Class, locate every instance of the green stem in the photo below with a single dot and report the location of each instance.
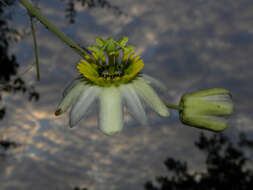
(50, 26)
(175, 107)
(117, 61)
(35, 48)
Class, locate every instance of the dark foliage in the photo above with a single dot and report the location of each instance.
(9, 80)
(5, 146)
(226, 163)
(78, 188)
(71, 11)
(2, 113)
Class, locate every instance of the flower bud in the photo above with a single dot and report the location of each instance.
(207, 109)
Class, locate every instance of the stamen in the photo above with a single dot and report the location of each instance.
(110, 64)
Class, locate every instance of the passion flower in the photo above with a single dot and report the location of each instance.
(111, 74)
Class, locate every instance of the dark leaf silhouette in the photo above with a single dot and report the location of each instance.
(71, 11)
(6, 145)
(9, 80)
(2, 113)
(78, 188)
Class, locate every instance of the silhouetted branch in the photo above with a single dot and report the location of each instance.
(71, 11)
(10, 80)
(226, 163)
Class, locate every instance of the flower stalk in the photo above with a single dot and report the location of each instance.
(172, 106)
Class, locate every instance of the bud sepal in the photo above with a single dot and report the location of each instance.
(207, 109)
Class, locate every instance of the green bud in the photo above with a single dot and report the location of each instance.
(207, 109)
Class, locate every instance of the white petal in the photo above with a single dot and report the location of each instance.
(82, 104)
(156, 83)
(133, 103)
(72, 96)
(111, 117)
(150, 97)
(71, 85)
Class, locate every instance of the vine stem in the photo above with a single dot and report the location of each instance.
(175, 107)
(35, 48)
(50, 26)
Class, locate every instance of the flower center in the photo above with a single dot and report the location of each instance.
(110, 63)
